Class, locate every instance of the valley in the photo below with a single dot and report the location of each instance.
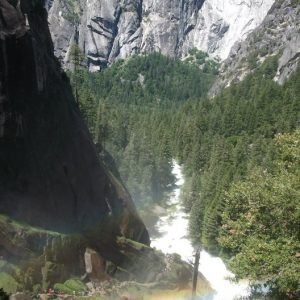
(220, 142)
(133, 133)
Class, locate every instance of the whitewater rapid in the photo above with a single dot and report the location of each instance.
(173, 229)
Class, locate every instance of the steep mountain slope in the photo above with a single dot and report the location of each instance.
(279, 34)
(107, 30)
(50, 176)
(49, 165)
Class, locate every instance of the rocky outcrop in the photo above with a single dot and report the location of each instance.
(48, 259)
(50, 176)
(279, 34)
(222, 23)
(109, 30)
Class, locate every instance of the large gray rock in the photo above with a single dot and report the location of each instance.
(111, 29)
(289, 60)
(279, 34)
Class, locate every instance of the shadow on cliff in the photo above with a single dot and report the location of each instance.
(54, 192)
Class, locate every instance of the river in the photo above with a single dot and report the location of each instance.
(173, 238)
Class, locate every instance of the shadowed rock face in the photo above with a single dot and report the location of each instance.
(56, 199)
(49, 172)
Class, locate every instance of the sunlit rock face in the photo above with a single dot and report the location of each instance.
(109, 30)
(278, 34)
(221, 23)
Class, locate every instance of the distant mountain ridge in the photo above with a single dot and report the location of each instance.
(279, 34)
(109, 30)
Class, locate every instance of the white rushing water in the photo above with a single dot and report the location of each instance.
(173, 230)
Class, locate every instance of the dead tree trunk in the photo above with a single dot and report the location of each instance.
(195, 273)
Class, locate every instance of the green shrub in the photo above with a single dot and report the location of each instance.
(252, 61)
(70, 286)
(75, 285)
(37, 288)
(61, 288)
(8, 283)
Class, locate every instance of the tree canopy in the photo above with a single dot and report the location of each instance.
(261, 221)
(239, 153)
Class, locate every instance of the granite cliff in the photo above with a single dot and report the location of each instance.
(279, 34)
(109, 30)
(56, 198)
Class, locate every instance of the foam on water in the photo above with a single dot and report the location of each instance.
(173, 229)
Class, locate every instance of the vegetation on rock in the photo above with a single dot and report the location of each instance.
(71, 286)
